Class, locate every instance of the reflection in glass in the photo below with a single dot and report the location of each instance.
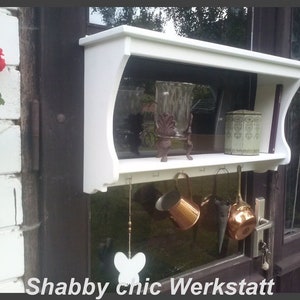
(168, 250)
(138, 105)
(128, 120)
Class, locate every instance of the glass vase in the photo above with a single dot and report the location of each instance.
(173, 116)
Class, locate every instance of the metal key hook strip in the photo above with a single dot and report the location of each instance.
(129, 267)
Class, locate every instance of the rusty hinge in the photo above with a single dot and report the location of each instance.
(35, 134)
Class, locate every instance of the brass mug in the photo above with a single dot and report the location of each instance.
(242, 220)
(184, 212)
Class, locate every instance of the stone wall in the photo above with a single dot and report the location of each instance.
(11, 213)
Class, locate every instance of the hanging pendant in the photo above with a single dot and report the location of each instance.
(129, 267)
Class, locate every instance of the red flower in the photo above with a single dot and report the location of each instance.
(2, 61)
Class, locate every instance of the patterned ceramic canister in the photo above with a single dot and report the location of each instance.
(242, 132)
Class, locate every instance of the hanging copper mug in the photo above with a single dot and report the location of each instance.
(242, 220)
(184, 212)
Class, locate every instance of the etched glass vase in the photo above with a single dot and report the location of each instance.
(173, 115)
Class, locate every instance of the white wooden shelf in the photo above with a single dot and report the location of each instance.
(106, 56)
(152, 169)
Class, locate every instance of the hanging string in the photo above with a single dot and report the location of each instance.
(129, 219)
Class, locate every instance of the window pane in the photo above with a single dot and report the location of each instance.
(168, 249)
(215, 92)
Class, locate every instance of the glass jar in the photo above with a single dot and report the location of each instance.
(173, 108)
(173, 115)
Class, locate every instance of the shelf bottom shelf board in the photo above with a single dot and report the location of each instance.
(139, 170)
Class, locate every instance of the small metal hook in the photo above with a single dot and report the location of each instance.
(222, 169)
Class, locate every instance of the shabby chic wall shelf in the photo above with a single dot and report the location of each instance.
(105, 57)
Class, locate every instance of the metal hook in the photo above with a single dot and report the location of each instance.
(215, 178)
(188, 182)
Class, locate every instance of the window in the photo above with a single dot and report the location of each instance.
(215, 92)
(168, 250)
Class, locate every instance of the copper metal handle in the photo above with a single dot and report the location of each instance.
(239, 170)
(188, 182)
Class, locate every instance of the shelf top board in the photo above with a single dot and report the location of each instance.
(148, 43)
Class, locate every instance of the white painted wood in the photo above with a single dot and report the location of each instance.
(10, 91)
(11, 212)
(151, 169)
(148, 43)
(11, 253)
(281, 146)
(265, 95)
(10, 148)
(106, 54)
(15, 285)
(98, 128)
(9, 39)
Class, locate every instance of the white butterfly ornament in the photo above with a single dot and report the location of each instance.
(129, 267)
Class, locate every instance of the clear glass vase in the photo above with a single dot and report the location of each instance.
(173, 115)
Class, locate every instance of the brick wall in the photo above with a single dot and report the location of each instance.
(11, 214)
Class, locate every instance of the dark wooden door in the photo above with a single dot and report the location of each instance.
(65, 242)
(64, 207)
(273, 35)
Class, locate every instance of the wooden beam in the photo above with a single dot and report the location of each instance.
(65, 209)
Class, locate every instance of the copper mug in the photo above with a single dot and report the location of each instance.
(242, 220)
(184, 212)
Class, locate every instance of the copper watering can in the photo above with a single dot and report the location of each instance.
(242, 220)
(184, 212)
